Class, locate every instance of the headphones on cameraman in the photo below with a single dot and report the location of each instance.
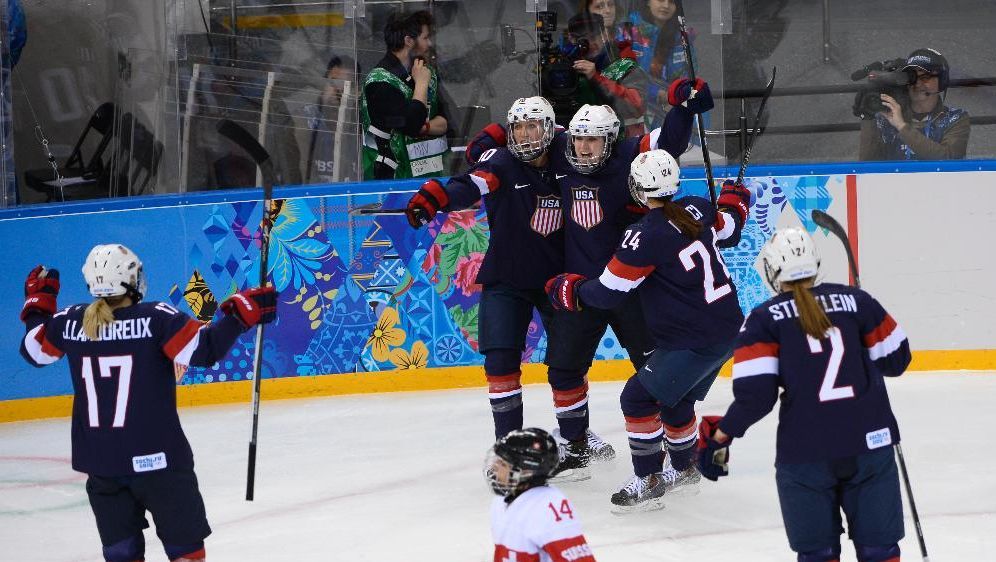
(943, 75)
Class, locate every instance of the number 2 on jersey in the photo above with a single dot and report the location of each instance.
(828, 391)
(565, 510)
(105, 366)
(713, 292)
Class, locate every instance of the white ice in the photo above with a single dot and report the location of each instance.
(398, 477)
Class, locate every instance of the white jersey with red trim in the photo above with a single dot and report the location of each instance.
(540, 525)
(124, 406)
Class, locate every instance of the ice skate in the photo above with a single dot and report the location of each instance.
(575, 462)
(601, 450)
(640, 494)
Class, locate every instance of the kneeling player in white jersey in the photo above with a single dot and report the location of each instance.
(530, 521)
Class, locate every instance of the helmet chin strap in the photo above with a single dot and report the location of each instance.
(132, 293)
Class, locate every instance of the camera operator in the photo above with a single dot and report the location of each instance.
(404, 121)
(917, 126)
(601, 78)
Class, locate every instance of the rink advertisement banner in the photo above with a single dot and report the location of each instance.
(362, 294)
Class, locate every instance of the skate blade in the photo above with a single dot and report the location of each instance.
(572, 475)
(654, 504)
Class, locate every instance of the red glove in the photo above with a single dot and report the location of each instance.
(40, 291)
(693, 95)
(492, 136)
(736, 198)
(563, 291)
(714, 457)
(252, 306)
(424, 205)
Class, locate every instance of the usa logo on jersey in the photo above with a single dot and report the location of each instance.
(585, 208)
(548, 216)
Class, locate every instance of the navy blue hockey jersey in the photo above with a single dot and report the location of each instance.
(525, 216)
(124, 406)
(834, 402)
(687, 295)
(595, 205)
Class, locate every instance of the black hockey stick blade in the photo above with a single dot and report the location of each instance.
(757, 126)
(826, 221)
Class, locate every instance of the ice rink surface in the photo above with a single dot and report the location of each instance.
(397, 477)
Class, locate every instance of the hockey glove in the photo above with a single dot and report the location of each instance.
(563, 291)
(714, 457)
(40, 291)
(492, 136)
(693, 95)
(735, 197)
(424, 205)
(252, 306)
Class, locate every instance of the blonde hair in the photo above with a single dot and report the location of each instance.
(99, 314)
(812, 317)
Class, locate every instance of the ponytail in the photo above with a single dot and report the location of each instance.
(811, 315)
(99, 314)
(681, 218)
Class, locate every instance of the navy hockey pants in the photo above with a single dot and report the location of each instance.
(865, 487)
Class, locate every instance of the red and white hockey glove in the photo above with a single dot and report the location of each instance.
(492, 136)
(40, 291)
(714, 457)
(252, 306)
(424, 205)
(563, 291)
(735, 197)
(693, 95)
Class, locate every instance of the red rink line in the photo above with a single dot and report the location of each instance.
(76, 476)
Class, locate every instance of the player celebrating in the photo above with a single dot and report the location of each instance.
(828, 346)
(126, 434)
(526, 247)
(671, 257)
(530, 520)
(592, 166)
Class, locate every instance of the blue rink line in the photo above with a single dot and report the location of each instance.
(389, 186)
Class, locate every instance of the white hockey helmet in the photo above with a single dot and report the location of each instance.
(790, 255)
(653, 174)
(592, 121)
(112, 270)
(535, 108)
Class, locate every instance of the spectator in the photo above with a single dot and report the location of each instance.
(926, 129)
(404, 121)
(656, 41)
(605, 78)
(333, 139)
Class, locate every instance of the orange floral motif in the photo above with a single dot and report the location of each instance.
(385, 335)
(417, 359)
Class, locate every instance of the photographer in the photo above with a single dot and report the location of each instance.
(917, 125)
(601, 78)
(404, 121)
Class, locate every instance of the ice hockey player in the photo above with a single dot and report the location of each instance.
(126, 434)
(826, 347)
(531, 520)
(526, 220)
(670, 260)
(592, 167)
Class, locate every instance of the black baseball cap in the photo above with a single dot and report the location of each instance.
(927, 60)
(586, 24)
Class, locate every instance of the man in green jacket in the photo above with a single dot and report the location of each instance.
(404, 121)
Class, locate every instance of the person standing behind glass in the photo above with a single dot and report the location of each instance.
(404, 121)
(656, 40)
(927, 129)
(324, 124)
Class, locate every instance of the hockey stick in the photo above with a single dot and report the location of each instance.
(829, 223)
(375, 209)
(687, 45)
(241, 137)
(757, 127)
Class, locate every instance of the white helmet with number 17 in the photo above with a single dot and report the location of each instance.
(653, 174)
(535, 111)
(591, 121)
(112, 270)
(790, 255)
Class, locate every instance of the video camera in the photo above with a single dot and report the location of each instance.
(883, 77)
(558, 79)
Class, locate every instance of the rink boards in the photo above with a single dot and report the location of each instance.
(369, 305)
